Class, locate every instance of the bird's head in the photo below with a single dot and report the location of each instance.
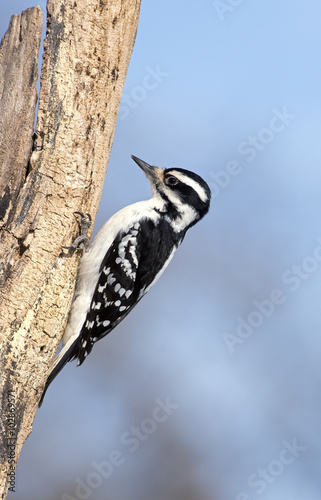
(185, 195)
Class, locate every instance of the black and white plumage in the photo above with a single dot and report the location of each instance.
(128, 255)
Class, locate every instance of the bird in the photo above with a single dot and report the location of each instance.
(127, 256)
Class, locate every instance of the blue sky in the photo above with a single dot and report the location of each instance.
(230, 335)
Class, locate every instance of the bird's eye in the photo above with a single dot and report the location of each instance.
(171, 181)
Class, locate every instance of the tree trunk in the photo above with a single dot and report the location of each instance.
(45, 180)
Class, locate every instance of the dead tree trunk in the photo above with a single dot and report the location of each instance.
(43, 181)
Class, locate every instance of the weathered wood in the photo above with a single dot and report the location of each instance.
(18, 76)
(86, 55)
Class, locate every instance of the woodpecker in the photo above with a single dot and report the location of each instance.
(127, 256)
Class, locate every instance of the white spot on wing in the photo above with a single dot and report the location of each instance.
(111, 279)
(101, 288)
(134, 256)
(129, 240)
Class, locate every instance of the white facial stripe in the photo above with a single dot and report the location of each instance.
(186, 215)
(173, 198)
(184, 220)
(193, 184)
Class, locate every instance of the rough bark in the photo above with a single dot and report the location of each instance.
(18, 76)
(86, 55)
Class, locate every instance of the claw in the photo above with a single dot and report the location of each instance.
(84, 222)
(82, 240)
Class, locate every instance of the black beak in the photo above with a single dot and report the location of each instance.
(153, 173)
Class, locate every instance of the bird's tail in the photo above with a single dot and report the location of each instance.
(68, 352)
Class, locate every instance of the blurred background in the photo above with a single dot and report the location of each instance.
(210, 389)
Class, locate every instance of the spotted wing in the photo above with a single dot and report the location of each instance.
(129, 267)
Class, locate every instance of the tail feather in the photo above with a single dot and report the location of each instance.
(68, 352)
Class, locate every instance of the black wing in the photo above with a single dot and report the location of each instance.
(129, 267)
